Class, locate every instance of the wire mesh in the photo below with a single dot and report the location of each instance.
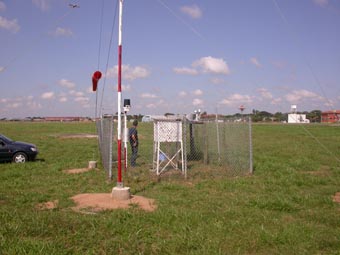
(224, 145)
(215, 147)
(105, 140)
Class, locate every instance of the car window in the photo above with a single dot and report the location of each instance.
(5, 139)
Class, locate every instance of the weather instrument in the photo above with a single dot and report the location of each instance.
(95, 78)
(127, 106)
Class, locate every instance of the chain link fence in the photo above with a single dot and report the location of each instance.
(105, 140)
(209, 147)
(225, 145)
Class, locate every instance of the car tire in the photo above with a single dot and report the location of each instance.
(19, 157)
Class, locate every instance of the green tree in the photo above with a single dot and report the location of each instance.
(279, 116)
(314, 116)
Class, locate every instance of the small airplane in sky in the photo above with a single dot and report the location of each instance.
(74, 5)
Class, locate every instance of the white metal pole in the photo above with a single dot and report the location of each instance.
(119, 90)
(218, 138)
(250, 147)
(125, 140)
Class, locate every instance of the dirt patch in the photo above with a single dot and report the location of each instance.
(47, 205)
(336, 197)
(320, 173)
(77, 170)
(103, 201)
(65, 136)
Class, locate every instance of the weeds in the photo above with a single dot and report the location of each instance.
(286, 207)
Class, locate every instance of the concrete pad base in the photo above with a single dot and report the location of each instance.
(92, 164)
(121, 193)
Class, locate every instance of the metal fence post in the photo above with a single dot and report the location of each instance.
(205, 135)
(250, 147)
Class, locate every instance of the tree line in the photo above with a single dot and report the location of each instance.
(260, 116)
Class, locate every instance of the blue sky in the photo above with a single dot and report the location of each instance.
(178, 56)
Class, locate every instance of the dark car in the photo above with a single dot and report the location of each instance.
(18, 152)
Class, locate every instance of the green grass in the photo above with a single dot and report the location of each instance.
(285, 207)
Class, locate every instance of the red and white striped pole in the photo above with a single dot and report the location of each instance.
(119, 129)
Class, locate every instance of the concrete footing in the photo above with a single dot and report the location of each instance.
(121, 193)
(92, 164)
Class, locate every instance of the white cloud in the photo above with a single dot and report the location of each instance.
(126, 87)
(67, 84)
(62, 32)
(185, 70)
(11, 25)
(47, 95)
(34, 105)
(18, 99)
(86, 106)
(14, 105)
(10, 100)
(135, 72)
(151, 106)
(2, 6)
(2, 69)
(212, 65)
(160, 103)
(193, 11)
(129, 73)
(217, 81)
(82, 100)
(43, 5)
(89, 90)
(198, 92)
(182, 93)
(293, 98)
(321, 3)
(276, 101)
(197, 102)
(63, 99)
(329, 103)
(265, 93)
(279, 64)
(255, 62)
(206, 65)
(297, 95)
(76, 93)
(148, 95)
(236, 99)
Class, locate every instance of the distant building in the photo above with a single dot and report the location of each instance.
(66, 119)
(147, 118)
(330, 116)
(297, 118)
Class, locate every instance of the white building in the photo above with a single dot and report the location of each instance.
(295, 117)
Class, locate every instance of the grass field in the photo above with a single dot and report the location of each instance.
(285, 207)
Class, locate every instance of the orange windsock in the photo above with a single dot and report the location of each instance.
(95, 78)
